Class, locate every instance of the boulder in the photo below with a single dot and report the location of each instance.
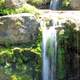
(75, 4)
(18, 28)
(14, 3)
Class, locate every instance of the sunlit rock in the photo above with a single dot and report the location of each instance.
(14, 3)
(19, 28)
(75, 4)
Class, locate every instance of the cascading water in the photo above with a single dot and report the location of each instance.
(54, 4)
(49, 53)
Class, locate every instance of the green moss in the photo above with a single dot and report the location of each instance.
(26, 8)
(66, 5)
(18, 61)
(2, 2)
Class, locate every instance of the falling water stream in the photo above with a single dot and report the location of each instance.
(54, 4)
(50, 48)
(49, 53)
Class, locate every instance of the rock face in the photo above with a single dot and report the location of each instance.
(19, 28)
(75, 4)
(14, 3)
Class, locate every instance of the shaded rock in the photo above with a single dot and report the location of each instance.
(19, 28)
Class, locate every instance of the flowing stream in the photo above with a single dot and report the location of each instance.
(49, 53)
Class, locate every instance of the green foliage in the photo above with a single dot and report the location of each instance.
(24, 9)
(68, 38)
(20, 77)
(66, 5)
(61, 64)
(20, 62)
(2, 2)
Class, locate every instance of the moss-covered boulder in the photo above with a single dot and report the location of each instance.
(19, 63)
(19, 28)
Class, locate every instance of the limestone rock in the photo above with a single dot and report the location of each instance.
(14, 3)
(19, 28)
(75, 4)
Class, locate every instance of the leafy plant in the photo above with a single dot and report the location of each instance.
(24, 9)
(18, 61)
(66, 5)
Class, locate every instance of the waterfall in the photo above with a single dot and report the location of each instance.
(54, 4)
(49, 53)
